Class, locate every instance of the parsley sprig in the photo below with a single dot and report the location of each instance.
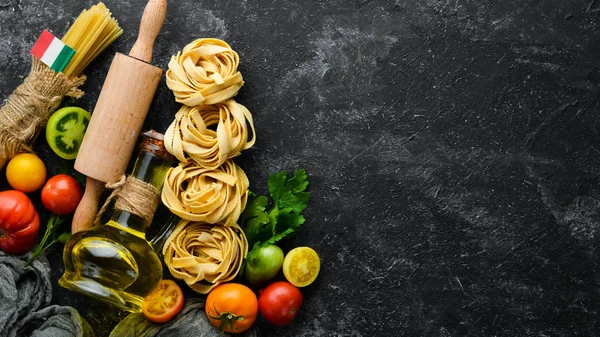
(52, 230)
(284, 217)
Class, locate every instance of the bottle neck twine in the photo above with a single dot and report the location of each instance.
(133, 196)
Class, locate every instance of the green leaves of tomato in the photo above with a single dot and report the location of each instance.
(284, 218)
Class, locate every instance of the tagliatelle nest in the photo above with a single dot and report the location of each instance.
(210, 134)
(213, 196)
(205, 72)
(205, 255)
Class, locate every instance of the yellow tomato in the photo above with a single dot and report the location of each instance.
(301, 266)
(26, 172)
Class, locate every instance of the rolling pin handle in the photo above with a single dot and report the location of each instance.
(86, 211)
(152, 21)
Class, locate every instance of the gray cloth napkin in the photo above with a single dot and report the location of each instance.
(25, 293)
(191, 321)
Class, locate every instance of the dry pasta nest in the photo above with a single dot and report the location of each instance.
(199, 194)
(205, 255)
(205, 72)
(210, 134)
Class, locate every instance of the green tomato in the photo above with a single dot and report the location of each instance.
(264, 265)
(65, 130)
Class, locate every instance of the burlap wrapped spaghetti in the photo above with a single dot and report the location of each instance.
(28, 108)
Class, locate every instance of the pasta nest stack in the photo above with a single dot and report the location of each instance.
(191, 134)
(207, 189)
(204, 73)
(205, 255)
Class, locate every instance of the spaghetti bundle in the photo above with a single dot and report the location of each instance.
(93, 31)
(40, 94)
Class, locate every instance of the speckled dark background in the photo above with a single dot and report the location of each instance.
(452, 148)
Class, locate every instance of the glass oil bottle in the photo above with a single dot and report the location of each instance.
(114, 262)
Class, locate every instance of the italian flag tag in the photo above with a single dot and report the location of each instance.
(52, 51)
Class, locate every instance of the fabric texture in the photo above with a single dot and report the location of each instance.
(191, 321)
(25, 293)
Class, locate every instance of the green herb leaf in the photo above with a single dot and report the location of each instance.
(64, 237)
(258, 229)
(53, 223)
(273, 219)
(289, 219)
(276, 184)
(256, 221)
(298, 183)
(254, 207)
(295, 201)
(284, 218)
(290, 193)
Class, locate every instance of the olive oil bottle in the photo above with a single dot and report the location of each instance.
(114, 262)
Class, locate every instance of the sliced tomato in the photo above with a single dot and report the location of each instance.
(65, 130)
(301, 266)
(164, 302)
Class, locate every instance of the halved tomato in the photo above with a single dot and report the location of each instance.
(65, 130)
(301, 266)
(164, 302)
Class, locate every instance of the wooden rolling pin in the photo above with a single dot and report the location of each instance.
(119, 115)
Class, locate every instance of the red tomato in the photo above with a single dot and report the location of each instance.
(163, 303)
(61, 194)
(279, 303)
(232, 307)
(19, 222)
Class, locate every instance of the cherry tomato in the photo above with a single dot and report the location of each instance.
(232, 307)
(26, 172)
(164, 302)
(279, 303)
(301, 266)
(61, 194)
(263, 266)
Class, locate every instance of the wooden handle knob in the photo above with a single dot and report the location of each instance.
(86, 211)
(152, 21)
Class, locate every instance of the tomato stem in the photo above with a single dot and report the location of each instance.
(226, 319)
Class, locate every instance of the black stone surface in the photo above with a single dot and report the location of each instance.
(452, 148)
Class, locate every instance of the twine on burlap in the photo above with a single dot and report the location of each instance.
(131, 195)
(30, 106)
